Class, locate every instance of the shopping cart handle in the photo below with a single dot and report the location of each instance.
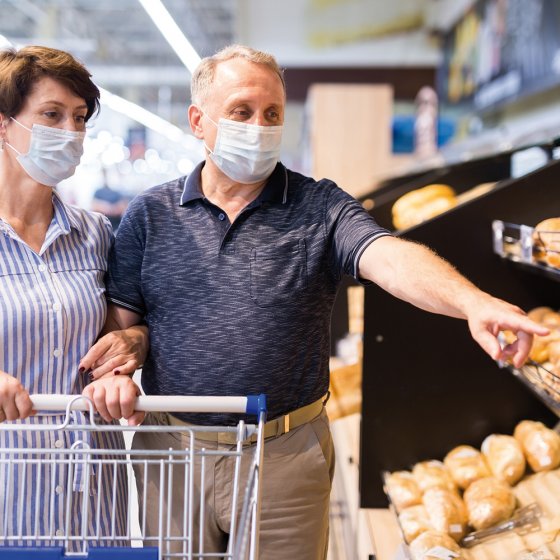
(253, 404)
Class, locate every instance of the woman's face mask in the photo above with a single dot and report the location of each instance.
(54, 153)
(246, 153)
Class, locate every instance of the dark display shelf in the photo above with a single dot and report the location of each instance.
(427, 386)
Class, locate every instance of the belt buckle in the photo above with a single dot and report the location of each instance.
(286, 423)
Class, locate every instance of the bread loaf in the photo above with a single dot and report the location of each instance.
(446, 512)
(540, 445)
(432, 474)
(466, 464)
(505, 458)
(403, 490)
(414, 521)
(422, 204)
(489, 501)
(434, 541)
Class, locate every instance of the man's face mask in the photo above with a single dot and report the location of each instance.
(246, 153)
(54, 153)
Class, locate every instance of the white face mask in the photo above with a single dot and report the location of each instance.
(246, 153)
(54, 153)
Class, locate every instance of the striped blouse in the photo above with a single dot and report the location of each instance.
(52, 308)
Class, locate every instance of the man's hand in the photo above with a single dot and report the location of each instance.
(119, 352)
(14, 399)
(114, 398)
(490, 316)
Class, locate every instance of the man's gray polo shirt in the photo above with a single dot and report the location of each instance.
(242, 308)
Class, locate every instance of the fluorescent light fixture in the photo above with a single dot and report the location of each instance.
(141, 115)
(173, 35)
(131, 110)
(5, 42)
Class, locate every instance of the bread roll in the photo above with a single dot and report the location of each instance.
(422, 204)
(547, 237)
(551, 320)
(489, 501)
(432, 474)
(505, 457)
(414, 521)
(466, 464)
(554, 351)
(538, 313)
(403, 490)
(432, 540)
(446, 511)
(540, 445)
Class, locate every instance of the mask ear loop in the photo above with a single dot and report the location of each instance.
(2, 132)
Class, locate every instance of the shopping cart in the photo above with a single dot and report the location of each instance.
(52, 504)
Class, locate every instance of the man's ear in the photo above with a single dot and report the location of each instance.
(195, 115)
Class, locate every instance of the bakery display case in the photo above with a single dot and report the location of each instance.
(535, 249)
(427, 386)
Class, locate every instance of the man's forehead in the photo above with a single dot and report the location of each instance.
(243, 72)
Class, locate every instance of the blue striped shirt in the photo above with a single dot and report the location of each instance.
(52, 308)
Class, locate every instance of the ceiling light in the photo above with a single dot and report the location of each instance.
(141, 115)
(172, 33)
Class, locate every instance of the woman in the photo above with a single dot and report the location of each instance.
(53, 258)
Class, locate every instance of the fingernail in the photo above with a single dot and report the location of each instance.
(91, 378)
(82, 369)
(117, 372)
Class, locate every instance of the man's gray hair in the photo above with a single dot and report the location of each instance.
(204, 74)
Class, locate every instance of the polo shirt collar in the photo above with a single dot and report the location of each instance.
(275, 189)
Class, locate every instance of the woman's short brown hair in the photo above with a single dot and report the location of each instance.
(21, 69)
(204, 74)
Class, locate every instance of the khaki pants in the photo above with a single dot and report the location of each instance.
(297, 477)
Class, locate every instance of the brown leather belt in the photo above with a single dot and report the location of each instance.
(273, 428)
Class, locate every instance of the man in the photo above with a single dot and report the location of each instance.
(235, 269)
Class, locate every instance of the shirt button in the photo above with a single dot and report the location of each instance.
(57, 353)
(221, 217)
(56, 306)
(58, 489)
(59, 533)
(41, 268)
(58, 443)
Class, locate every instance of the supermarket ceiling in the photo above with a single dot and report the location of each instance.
(116, 39)
(128, 55)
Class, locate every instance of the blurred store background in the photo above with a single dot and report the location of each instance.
(494, 66)
(383, 97)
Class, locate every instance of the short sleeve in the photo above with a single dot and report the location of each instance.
(125, 263)
(350, 229)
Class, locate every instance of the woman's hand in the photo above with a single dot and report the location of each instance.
(114, 397)
(14, 399)
(118, 352)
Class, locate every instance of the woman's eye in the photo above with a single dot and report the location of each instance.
(50, 114)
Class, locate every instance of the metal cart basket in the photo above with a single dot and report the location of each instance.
(64, 495)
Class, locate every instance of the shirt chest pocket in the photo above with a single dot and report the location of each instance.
(278, 273)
